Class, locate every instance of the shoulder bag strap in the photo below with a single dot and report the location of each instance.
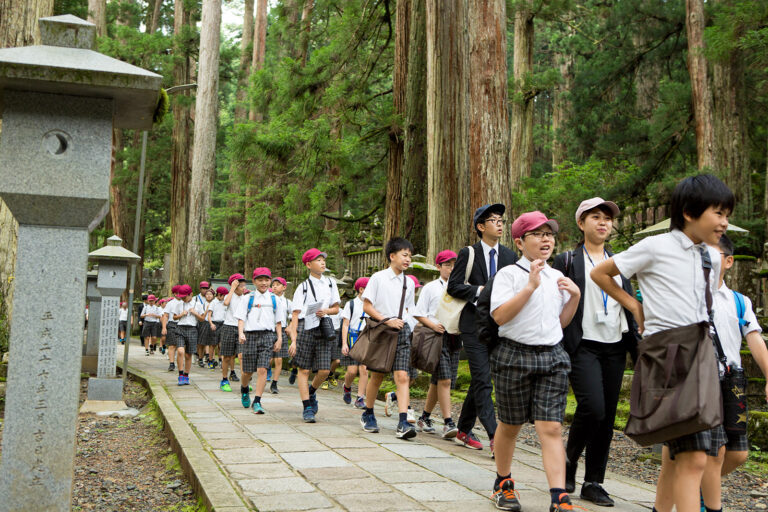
(470, 264)
(402, 299)
(706, 264)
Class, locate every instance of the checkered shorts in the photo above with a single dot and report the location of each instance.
(347, 361)
(447, 366)
(283, 352)
(531, 382)
(186, 338)
(736, 442)
(205, 336)
(257, 349)
(336, 347)
(151, 329)
(217, 332)
(311, 353)
(708, 441)
(403, 352)
(170, 337)
(228, 341)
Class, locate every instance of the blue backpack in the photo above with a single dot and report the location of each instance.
(353, 334)
(271, 295)
(741, 308)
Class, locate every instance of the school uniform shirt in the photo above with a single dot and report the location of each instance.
(263, 315)
(326, 293)
(384, 291)
(357, 317)
(123, 315)
(287, 307)
(171, 308)
(152, 310)
(336, 320)
(603, 320)
(727, 324)
(538, 322)
(190, 319)
(668, 269)
(218, 310)
(229, 314)
(429, 299)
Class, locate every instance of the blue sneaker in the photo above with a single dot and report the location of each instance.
(186, 380)
(224, 385)
(368, 421)
(347, 397)
(313, 403)
(257, 408)
(405, 430)
(308, 415)
(269, 374)
(360, 402)
(181, 380)
(246, 400)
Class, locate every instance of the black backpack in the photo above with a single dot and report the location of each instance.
(487, 328)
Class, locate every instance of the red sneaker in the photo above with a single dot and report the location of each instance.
(469, 440)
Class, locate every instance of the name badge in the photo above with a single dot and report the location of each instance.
(601, 317)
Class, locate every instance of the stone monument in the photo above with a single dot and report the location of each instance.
(91, 347)
(60, 102)
(105, 392)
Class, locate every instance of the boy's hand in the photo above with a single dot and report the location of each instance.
(568, 285)
(395, 323)
(241, 336)
(439, 328)
(321, 313)
(234, 286)
(637, 312)
(278, 344)
(292, 350)
(213, 326)
(345, 352)
(534, 276)
(164, 332)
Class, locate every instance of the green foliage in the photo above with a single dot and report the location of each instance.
(163, 103)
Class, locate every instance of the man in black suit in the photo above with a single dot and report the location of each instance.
(489, 257)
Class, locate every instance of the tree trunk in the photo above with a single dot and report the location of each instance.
(561, 106)
(488, 119)
(702, 99)
(393, 200)
(259, 46)
(414, 175)
(306, 29)
(246, 52)
(180, 142)
(154, 16)
(204, 149)
(448, 222)
(521, 128)
(97, 14)
(647, 78)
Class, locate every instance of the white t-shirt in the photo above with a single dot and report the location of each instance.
(190, 319)
(336, 319)
(385, 290)
(229, 314)
(287, 307)
(354, 313)
(326, 293)
(538, 322)
(668, 269)
(727, 323)
(123, 315)
(218, 310)
(152, 310)
(604, 319)
(170, 308)
(263, 315)
(429, 299)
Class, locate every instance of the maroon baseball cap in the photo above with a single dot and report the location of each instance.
(261, 272)
(280, 280)
(415, 280)
(185, 290)
(444, 256)
(312, 255)
(205, 284)
(175, 288)
(361, 282)
(222, 290)
(151, 297)
(530, 221)
(239, 277)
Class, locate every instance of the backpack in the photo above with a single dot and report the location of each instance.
(353, 334)
(740, 308)
(487, 328)
(250, 302)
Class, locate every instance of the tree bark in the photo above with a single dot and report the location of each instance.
(246, 52)
(259, 46)
(97, 14)
(561, 105)
(204, 149)
(702, 98)
(448, 222)
(414, 175)
(488, 118)
(521, 128)
(154, 16)
(306, 28)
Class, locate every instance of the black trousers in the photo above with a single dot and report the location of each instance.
(596, 373)
(478, 403)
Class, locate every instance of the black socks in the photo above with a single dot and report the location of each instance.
(369, 410)
(556, 492)
(305, 403)
(426, 415)
(244, 389)
(312, 389)
(403, 417)
(499, 479)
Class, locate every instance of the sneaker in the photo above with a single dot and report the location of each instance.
(390, 405)
(215, 364)
(210, 365)
(257, 408)
(368, 421)
(171, 367)
(469, 440)
(360, 402)
(273, 388)
(233, 376)
(308, 415)
(505, 496)
(594, 492)
(181, 380)
(162, 349)
(147, 352)
(292, 378)
(269, 373)
(224, 385)
(200, 363)
(570, 477)
(347, 397)
(324, 385)
(425, 425)
(450, 431)
(313, 403)
(405, 430)
(245, 399)
(410, 416)
(186, 380)
(333, 382)
(565, 504)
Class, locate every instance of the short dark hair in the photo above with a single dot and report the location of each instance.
(144, 297)
(397, 244)
(726, 245)
(484, 217)
(695, 194)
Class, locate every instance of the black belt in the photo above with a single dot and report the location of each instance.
(532, 348)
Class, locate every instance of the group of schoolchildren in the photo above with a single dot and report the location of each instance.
(573, 322)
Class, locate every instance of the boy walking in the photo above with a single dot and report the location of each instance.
(169, 326)
(353, 321)
(188, 313)
(278, 289)
(229, 339)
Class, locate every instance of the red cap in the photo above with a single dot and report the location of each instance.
(312, 255)
(205, 284)
(415, 280)
(239, 277)
(530, 221)
(361, 282)
(185, 290)
(175, 289)
(261, 272)
(444, 256)
(222, 290)
(151, 297)
(280, 280)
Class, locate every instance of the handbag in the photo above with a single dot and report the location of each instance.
(676, 387)
(426, 346)
(733, 385)
(325, 330)
(377, 343)
(449, 308)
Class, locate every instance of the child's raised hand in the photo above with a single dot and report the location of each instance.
(568, 285)
(534, 276)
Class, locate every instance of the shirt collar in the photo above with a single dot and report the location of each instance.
(442, 281)
(392, 274)
(487, 248)
(526, 264)
(685, 242)
(723, 289)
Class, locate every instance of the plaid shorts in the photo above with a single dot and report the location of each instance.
(170, 337)
(447, 366)
(205, 336)
(531, 382)
(311, 353)
(283, 352)
(708, 441)
(347, 361)
(257, 349)
(228, 341)
(217, 332)
(336, 347)
(403, 352)
(151, 329)
(186, 338)
(124, 325)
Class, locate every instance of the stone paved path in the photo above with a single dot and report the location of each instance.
(277, 462)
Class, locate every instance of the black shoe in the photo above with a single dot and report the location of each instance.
(594, 492)
(570, 477)
(233, 376)
(505, 496)
(273, 387)
(171, 367)
(292, 378)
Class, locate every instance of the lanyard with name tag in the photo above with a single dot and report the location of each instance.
(600, 319)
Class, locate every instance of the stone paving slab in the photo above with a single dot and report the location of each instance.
(277, 462)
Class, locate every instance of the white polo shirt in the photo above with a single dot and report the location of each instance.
(668, 269)
(727, 323)
(384, 291)
(170, 309)
(218, 310)
(429, 299)
(190, 319)
(354, 314)
(538, 322)
(152, 310)
(287, 307)
(229, 314)
(326, 292)
(263, 315)
(123, 315)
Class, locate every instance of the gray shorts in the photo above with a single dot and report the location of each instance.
(186, 338)
(257, 350)
(312, 353)
(708, 441)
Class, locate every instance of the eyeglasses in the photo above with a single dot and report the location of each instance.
(539, 235)
(496, 220)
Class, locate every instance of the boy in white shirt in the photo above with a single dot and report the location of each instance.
(389, 295)
(217, 320)
(669, 269)
(531, 302)
(260, 333)
(352, 322)
(123, 322)
(229, 339)
(278, 288)
(169, 326)
(188, 313)
(151, 330)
